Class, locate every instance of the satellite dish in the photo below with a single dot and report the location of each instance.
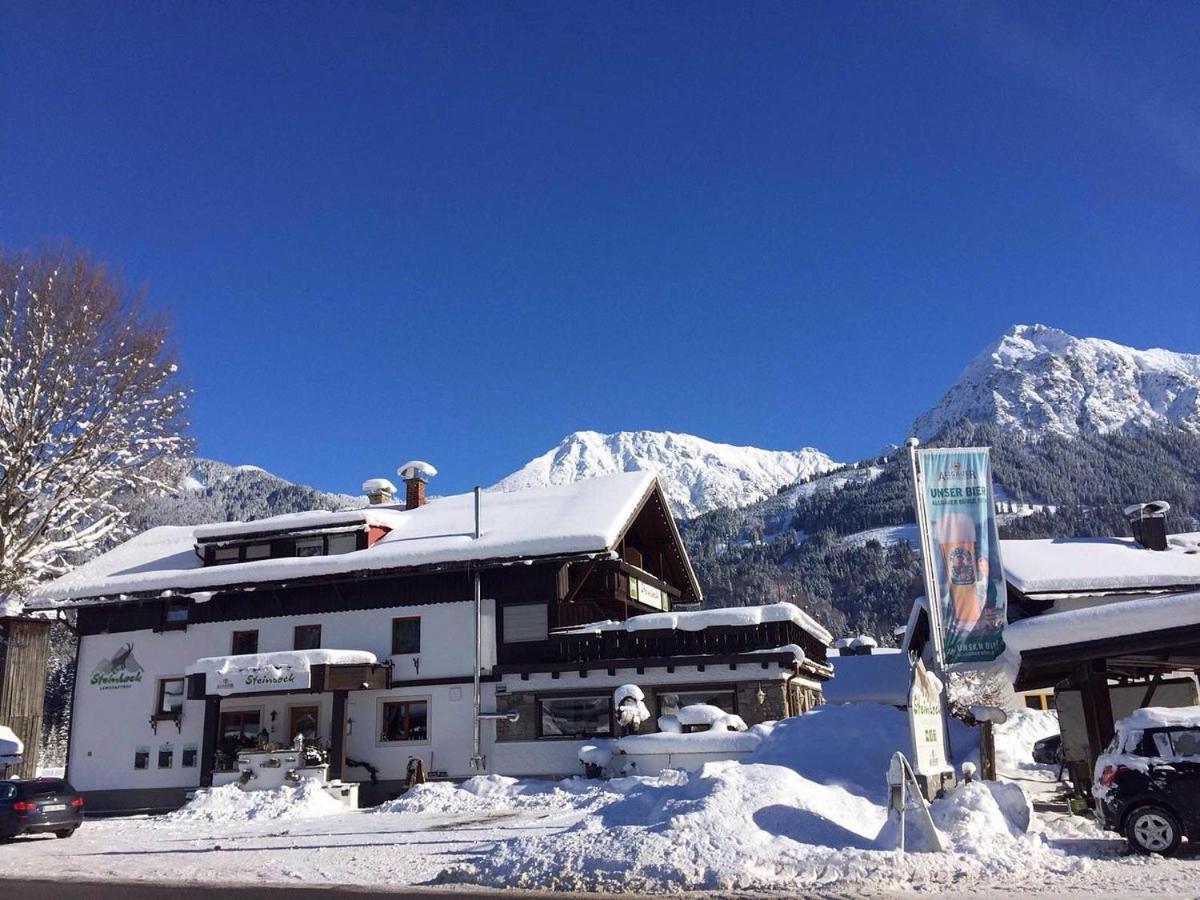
(416, 468)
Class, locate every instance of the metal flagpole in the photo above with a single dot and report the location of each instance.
(927, 561)
(931, 595)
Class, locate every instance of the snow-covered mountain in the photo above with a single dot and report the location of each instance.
(213, 491)
(697, 475)
(1037, 380)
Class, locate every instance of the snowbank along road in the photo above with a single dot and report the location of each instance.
(804, 814)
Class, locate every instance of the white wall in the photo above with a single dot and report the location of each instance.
(109, 724)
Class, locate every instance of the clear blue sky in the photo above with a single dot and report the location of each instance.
(458, 231)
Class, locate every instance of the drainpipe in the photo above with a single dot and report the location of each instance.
(477, 760)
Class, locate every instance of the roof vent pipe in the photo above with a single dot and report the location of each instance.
(1149, 523)
(478, 493)
(378, 490)
(415, 473)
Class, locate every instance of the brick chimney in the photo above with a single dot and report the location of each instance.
(414, 493)
(414, 474)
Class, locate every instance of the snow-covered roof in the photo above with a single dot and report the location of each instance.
(1161, 717)
(700, 619)
(315, 520)
(869, 678)
(583, 517)
(1097, 564)
(1095, 623)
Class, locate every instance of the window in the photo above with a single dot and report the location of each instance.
(239, 729)
(7, 791)
(141, 758)
(188, 758)
(525, 622)
(721, 696)
(244, 642)
(1178, 743)
(306, 637)
(166, 756)
(257, 551)
(341, 543)
(575, 717)
(313, 546)
(175, 612)
(406, 635)
(404, 720)
(170, 698)
(223, 555)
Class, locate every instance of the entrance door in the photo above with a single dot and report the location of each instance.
(302, 720)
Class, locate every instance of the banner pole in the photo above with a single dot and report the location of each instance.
(927, 561)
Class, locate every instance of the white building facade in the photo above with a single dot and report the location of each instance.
(358, 630)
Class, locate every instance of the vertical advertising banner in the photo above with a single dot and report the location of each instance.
(964, 571)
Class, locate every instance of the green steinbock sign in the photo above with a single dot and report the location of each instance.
(963, 549)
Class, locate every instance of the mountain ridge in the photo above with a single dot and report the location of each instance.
(1037, 380)
(697, 475)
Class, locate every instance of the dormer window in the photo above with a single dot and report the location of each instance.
(257, 551)
(223, 555)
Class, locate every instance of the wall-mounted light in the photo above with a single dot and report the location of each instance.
(761, 695)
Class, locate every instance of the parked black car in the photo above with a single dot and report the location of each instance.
(1148, 780)
(1048, 751)
(39, 806)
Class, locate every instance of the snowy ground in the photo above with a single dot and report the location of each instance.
(803, 815)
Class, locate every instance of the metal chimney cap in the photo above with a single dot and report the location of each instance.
(378, 485)
(416, 468)
(1144, 510)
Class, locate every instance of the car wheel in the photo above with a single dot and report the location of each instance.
(65, 833)
(1152, 829)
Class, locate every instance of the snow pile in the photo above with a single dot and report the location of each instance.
(1016, 737)
(229, 803)
(490, 794)
(700, 715)
(806, 809)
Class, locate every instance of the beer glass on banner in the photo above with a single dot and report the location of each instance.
(966, 572)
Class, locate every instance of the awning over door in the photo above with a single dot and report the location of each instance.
(286, 671)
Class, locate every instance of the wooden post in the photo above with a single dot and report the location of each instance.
(1097, 707)
(337, 745)
(987, 751)
(209, 737)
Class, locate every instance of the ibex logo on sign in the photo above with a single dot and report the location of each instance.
(121, 671)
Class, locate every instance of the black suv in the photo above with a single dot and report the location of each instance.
(1148, 780)
(39, 806)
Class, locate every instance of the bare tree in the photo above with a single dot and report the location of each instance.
(91, 410)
